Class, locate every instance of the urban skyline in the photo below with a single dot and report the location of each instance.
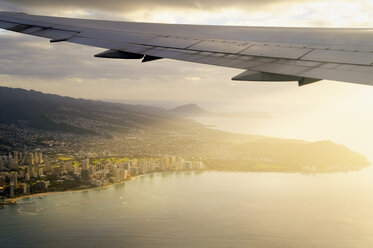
(30, 173)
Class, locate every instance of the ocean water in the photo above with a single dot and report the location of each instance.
(202, 209)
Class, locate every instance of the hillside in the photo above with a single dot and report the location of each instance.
(190, 110)
(193, 110)
(32, 120)
(290, 156)
(48, 112)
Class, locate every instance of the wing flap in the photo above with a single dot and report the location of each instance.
(121, 46)
(18, 21)
(174, 42)
(221, 46)
(293, 53)
(352, 74)
(276, 51)
(55, 34)
(265, 76)
(127, 37)
(8, 25)
(40, 30)
(32, 29)
(115, 54)
(334, 56)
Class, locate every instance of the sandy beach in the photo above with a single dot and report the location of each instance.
(16, 199)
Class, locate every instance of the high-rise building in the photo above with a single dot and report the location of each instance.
(134, 172)
(12, 189)
(13, 178)
(188, 165)
(2, 181)
(166, 162)
(98, 167)
(29, 159)
(172, 161)
(198, 165)
(41, 158)
(38, 157)
(14, 165)
(21, 174)
(117, 176)
(134, 162)
(127, 166)
(25, 188)
(179, 163)
(42, 185)
(85, 164)
(15, 157)
(47, 167)
(57, 171)
(151, 165)
(86, 174)
(40, 172)
(143, 166)
(69, 166)
(122, 174)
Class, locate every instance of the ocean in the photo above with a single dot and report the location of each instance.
(201, 209)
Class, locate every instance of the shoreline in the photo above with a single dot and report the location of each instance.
(16, 199)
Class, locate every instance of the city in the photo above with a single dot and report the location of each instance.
(27, 173)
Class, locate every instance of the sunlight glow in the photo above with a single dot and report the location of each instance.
(318, 111)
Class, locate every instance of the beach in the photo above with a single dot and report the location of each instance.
(16, 199)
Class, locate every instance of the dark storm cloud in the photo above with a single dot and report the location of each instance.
(126, 6)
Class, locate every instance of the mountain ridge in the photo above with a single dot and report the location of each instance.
(190, 109)
(193, 110)
(32, 120)
(56, 113)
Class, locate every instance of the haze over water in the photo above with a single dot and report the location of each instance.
(343, 127)
(207, 209)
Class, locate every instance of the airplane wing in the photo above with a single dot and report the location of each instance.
(305, 55)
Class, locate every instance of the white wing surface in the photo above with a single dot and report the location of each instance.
(305, 55)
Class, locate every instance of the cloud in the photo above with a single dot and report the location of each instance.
(70, 69)
(28, 59)
(33, 61)
(124, 6)
(331, 13)
(28, 56)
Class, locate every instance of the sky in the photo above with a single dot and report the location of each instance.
(325, 110)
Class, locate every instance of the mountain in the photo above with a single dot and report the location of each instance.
(32, 120)
(193, 110)
(190, 110)
(47, 112)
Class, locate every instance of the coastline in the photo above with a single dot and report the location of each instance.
(16, 199)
